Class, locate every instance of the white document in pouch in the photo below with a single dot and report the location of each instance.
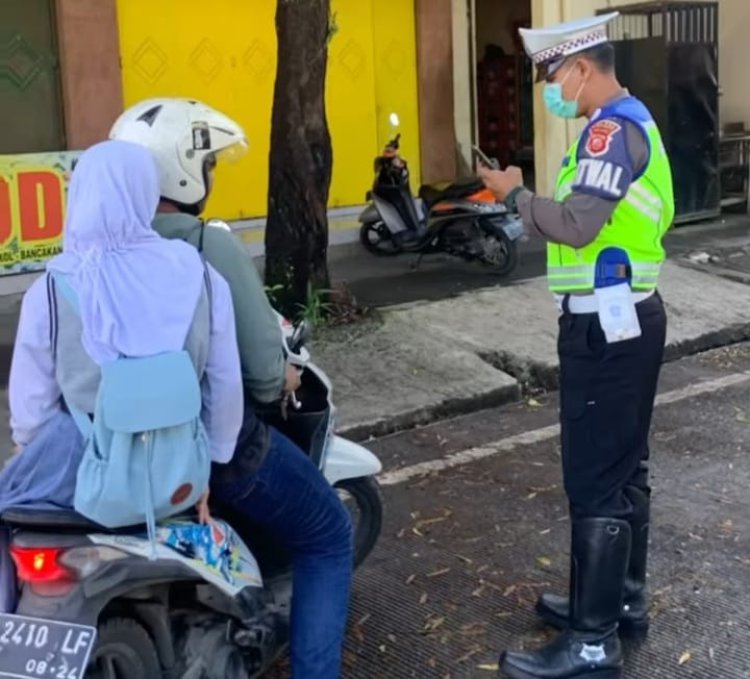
(617, 314)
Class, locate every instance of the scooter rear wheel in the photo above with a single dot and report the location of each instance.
(377, 239)
(500, 254)
(124, 650)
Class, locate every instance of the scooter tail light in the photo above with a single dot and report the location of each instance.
(40, 564)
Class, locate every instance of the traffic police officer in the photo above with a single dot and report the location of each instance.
(604, 230)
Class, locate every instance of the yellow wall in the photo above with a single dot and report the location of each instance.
(224, 53)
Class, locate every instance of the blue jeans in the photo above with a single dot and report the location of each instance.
(290, 497)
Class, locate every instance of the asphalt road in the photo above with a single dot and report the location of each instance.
(382, 281)
(476, 527)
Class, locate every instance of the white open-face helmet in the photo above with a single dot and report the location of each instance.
(187, 138)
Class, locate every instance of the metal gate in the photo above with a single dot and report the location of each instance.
(668, 56)
(31, 117)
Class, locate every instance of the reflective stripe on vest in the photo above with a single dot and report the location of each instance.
(645, 276)
(645, 202)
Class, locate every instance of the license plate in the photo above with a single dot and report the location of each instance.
(31, 648)
(513, 229)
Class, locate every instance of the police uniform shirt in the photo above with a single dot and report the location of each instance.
(611, 153)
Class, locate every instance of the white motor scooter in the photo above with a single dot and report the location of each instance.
(82, 599)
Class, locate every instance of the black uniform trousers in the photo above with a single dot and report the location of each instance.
(607, 394)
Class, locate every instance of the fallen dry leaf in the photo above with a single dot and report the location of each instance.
(685, 657)
(489, 668)
(544, 561)
(411, 578)
(487, 583)
(437, 574)
(423, 523)
(433, 623)
(469, 654)
(423, 598)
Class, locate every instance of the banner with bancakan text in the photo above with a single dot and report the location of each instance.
(33, 188)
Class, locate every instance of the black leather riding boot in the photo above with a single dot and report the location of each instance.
(589, 647)
(554, 609)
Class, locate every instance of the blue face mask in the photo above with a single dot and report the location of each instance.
(555, 102)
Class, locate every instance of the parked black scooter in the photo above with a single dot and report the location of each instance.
(460, 218)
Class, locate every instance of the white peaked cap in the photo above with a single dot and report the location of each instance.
(553, 43)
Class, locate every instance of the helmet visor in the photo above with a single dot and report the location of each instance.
(232, 153)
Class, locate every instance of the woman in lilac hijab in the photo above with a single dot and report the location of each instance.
(139, 295)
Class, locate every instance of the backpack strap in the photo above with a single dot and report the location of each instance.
(61, 282)
(207, 279)
(56, 281)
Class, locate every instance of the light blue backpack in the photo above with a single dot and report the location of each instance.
(147, 453)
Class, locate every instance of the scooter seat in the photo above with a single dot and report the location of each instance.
(45, 516)
(432, 193)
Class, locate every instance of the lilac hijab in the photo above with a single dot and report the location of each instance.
(137, 291)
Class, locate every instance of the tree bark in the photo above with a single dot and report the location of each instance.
(301, 157)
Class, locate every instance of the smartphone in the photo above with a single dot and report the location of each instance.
(482, 157)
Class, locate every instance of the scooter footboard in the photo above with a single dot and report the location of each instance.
(348, 460)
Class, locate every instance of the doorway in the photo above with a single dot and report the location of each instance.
(504, 83)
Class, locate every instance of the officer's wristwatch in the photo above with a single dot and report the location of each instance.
(510, 199)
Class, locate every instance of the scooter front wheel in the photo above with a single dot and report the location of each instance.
(362, 498)
(377, 239)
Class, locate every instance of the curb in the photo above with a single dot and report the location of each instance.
(426, 415)
(717, 339)
(530, 376)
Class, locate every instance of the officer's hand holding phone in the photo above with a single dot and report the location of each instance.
(501, 182)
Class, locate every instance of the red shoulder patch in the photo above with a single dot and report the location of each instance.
(600, 137)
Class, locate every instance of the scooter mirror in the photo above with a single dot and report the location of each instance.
(394, 120)
(300, 336)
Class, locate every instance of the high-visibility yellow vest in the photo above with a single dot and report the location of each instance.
(639, 221)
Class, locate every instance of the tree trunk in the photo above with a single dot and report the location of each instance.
(301, 157)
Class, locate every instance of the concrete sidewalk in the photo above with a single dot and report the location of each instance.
(421, 362)
(416, 363)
